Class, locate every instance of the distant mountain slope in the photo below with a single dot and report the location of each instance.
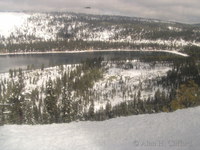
(176, 131)
(42, 28)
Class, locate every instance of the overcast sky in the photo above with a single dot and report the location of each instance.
(186, 11)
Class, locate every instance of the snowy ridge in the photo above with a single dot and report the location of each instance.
(36, 27)
(175, 131)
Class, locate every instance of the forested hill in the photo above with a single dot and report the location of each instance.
(30, 31)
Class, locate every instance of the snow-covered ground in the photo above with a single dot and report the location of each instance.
(93, 51)
(169, 51)
(40, 25)
(10, 22)
(122, 84)
(175, 131)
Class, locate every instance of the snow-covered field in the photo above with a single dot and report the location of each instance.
(175, 131)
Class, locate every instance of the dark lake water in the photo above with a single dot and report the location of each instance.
(52, 59)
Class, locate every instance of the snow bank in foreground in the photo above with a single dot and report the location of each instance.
(174, 131)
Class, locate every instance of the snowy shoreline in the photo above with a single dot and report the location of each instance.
(91, 51)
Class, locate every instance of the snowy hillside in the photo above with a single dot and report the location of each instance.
(28, 28)
(175, 131)
(121, 81)
(10, 22)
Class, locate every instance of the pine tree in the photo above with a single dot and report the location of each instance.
(109, 110)
(91, 111)
(66, 109)
(16, 100)
(11, 73)
(35, 111)
(50, 102)
(78, 110)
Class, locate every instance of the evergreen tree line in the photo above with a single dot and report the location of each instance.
(60, 45)
(181, 90)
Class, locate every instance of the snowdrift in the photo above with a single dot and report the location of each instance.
(174, 131)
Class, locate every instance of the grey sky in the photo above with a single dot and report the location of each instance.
(186, 11)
